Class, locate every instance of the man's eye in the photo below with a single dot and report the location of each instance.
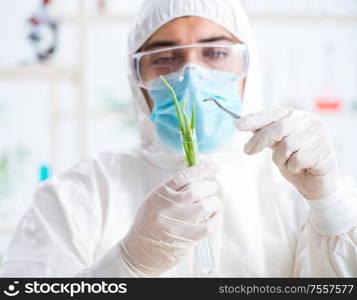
(164, 60)
(216, 54)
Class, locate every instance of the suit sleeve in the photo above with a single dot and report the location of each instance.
(59, 233)
(327, 245)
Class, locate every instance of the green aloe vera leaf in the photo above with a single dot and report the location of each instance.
(187, 128)
(191, 151)
(188, 144)
(192, 154)
(175, 102)
(193, 116)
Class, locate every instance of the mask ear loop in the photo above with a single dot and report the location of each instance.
(182, 72)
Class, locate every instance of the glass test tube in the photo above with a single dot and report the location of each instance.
(204, 246)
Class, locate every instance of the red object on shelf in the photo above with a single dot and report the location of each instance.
(34, 20)
(329, 103)
(102, 4)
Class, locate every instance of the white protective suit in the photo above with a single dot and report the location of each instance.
(77, 219)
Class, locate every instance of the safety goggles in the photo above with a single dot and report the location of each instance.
(230, 58)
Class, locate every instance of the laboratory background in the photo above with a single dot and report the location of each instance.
(64, 94)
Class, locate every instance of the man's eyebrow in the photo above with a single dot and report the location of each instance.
(157, 44)
(216, 39)
(168, 43)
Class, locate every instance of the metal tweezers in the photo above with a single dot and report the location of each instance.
(235, 116)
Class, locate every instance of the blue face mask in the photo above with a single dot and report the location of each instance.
(213, 126)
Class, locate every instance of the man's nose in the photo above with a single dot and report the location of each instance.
(192, 56)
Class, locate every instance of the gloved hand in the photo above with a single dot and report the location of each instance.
(171, 219)
(302, 148)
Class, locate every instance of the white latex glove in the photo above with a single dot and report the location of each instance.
(302, 148)
(171, 219)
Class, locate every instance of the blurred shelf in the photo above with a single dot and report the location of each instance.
(309, 18)
(9, 229)
(97, 18)
(126, 18)
(38, 72)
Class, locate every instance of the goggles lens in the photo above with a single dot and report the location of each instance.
(231, 58)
